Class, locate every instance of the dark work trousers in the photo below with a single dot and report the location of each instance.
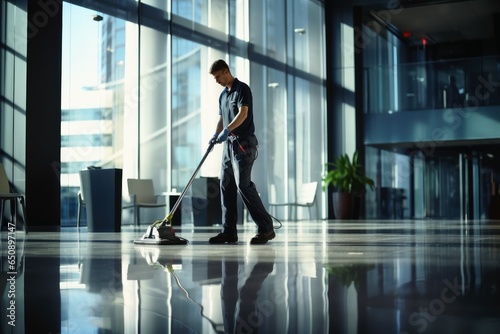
(237, 162)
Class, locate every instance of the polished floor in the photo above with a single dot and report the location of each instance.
(315, 277)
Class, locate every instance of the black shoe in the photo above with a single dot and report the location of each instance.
(262, 238)
(222, 238)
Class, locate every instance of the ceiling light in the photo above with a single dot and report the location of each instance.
(273, 84)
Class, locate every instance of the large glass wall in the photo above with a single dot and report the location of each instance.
(100, 95)
(13, 51)
(137, 93)
(293, 100)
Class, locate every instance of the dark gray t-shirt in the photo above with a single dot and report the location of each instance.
(229, 103)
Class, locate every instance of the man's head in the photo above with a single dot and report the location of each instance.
(221, 73)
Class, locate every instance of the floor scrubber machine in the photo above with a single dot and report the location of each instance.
(161, 232)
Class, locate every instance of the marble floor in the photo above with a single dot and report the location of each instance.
(315, 277)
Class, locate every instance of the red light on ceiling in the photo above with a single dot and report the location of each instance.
(406, 34)
(424, 41)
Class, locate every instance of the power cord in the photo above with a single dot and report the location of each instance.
(202, 308)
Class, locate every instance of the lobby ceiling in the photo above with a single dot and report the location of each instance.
(439, 21)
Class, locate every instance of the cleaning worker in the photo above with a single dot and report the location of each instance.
(236, 130)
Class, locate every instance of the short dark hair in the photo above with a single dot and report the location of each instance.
(218, 65)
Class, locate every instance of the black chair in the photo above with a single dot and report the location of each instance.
(7, 194)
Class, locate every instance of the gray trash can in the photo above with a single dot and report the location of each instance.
(102, 192)
(206, 201)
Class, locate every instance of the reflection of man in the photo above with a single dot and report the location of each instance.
(241, 310)
(453, 97)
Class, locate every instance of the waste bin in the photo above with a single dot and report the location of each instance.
(102, 193)
(172, 198)
(206, 201)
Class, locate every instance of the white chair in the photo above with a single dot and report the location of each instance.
(306, 197)
(6, 194)
(142, 195)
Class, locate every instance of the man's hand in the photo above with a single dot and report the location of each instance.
(213, 140)
(223, 135)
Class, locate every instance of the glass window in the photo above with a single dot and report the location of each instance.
(13, 51)
(238, 20)
(272, 129)
(267, 28)
(194, 110)
(293, 98)
(307, 35)
(208, 13)
(99, 97)
(154, 101)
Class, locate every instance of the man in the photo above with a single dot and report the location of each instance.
(236, 130)
(453, 96)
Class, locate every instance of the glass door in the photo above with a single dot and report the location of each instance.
(442, 187)
(459, 184)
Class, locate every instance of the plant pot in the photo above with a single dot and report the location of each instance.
(343, 205)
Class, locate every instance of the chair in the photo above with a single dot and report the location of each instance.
(306, 197)
(142, 195)
(6, 194)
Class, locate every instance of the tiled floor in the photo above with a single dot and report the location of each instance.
(315, 277)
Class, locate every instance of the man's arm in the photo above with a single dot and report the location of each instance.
(219, 127)
(238, 119)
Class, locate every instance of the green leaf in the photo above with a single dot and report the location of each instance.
(346, 174)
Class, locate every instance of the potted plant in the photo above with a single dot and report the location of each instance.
(348, 178)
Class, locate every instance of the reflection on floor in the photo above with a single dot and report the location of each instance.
(315, 277)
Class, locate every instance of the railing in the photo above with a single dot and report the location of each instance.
(473, 82)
